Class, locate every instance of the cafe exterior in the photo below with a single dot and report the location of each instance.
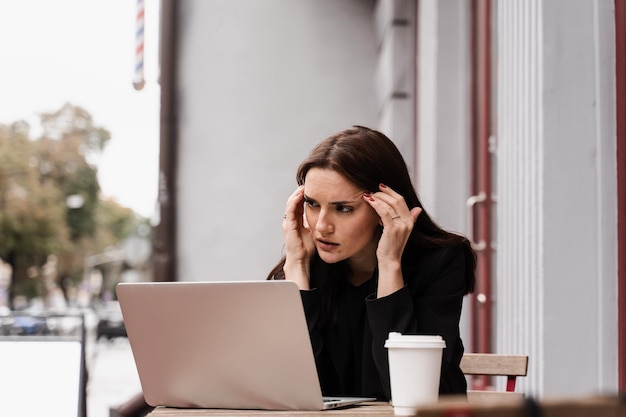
(511, 115)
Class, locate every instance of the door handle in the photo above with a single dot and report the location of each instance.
(470, 203)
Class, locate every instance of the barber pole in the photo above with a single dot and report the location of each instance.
(138, 79)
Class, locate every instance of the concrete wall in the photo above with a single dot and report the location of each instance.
(442, 152)
(557, 242)
(260, 82)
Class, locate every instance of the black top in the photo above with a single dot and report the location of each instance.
(348, 336)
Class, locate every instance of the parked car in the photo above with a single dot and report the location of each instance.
(110, 321)
(6, 321)
(30, 325)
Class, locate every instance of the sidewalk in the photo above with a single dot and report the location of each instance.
(113, 377)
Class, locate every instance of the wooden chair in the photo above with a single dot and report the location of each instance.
(493, 364)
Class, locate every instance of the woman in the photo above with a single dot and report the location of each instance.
(368, 261)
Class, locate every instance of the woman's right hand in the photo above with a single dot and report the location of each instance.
(299, 246)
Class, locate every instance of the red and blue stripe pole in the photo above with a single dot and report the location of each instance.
(138, 78)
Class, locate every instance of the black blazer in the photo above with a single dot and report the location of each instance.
(348, 336)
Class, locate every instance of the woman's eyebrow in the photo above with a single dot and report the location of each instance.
(343, 203)
(334, 203)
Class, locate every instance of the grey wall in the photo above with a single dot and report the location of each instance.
(443, 155)
(260, 82)
(580, 218)
(557, 241)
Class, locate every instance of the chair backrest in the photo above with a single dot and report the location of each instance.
(493, 364)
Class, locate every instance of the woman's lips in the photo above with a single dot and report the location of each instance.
(326, 246)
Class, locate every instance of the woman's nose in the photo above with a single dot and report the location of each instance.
(324, 224)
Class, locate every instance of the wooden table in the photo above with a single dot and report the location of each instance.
(366, 409)
(451, 406)
(595, 406)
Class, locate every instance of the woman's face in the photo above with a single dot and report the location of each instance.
(342, 223)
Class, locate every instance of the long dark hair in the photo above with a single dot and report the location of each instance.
(368, 158)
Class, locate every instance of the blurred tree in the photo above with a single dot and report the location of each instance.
(32, 222)
(49, 198)
(68, 142)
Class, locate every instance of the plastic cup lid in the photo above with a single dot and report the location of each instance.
(398, 340)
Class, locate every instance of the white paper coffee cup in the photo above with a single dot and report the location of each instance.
(414, 370)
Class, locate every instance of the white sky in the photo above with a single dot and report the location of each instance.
(83, 52)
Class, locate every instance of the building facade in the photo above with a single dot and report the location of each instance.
(509, 114)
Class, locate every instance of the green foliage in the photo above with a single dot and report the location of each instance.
(74, 123)
(32, 225)
(50, 197)
(121, 221)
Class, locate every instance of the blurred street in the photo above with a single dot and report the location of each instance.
(113, 377)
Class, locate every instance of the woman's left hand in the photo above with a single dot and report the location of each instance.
(397, 221)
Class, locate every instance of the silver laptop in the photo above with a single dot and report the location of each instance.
(236, 345)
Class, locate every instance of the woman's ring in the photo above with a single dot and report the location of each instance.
(395, 217)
